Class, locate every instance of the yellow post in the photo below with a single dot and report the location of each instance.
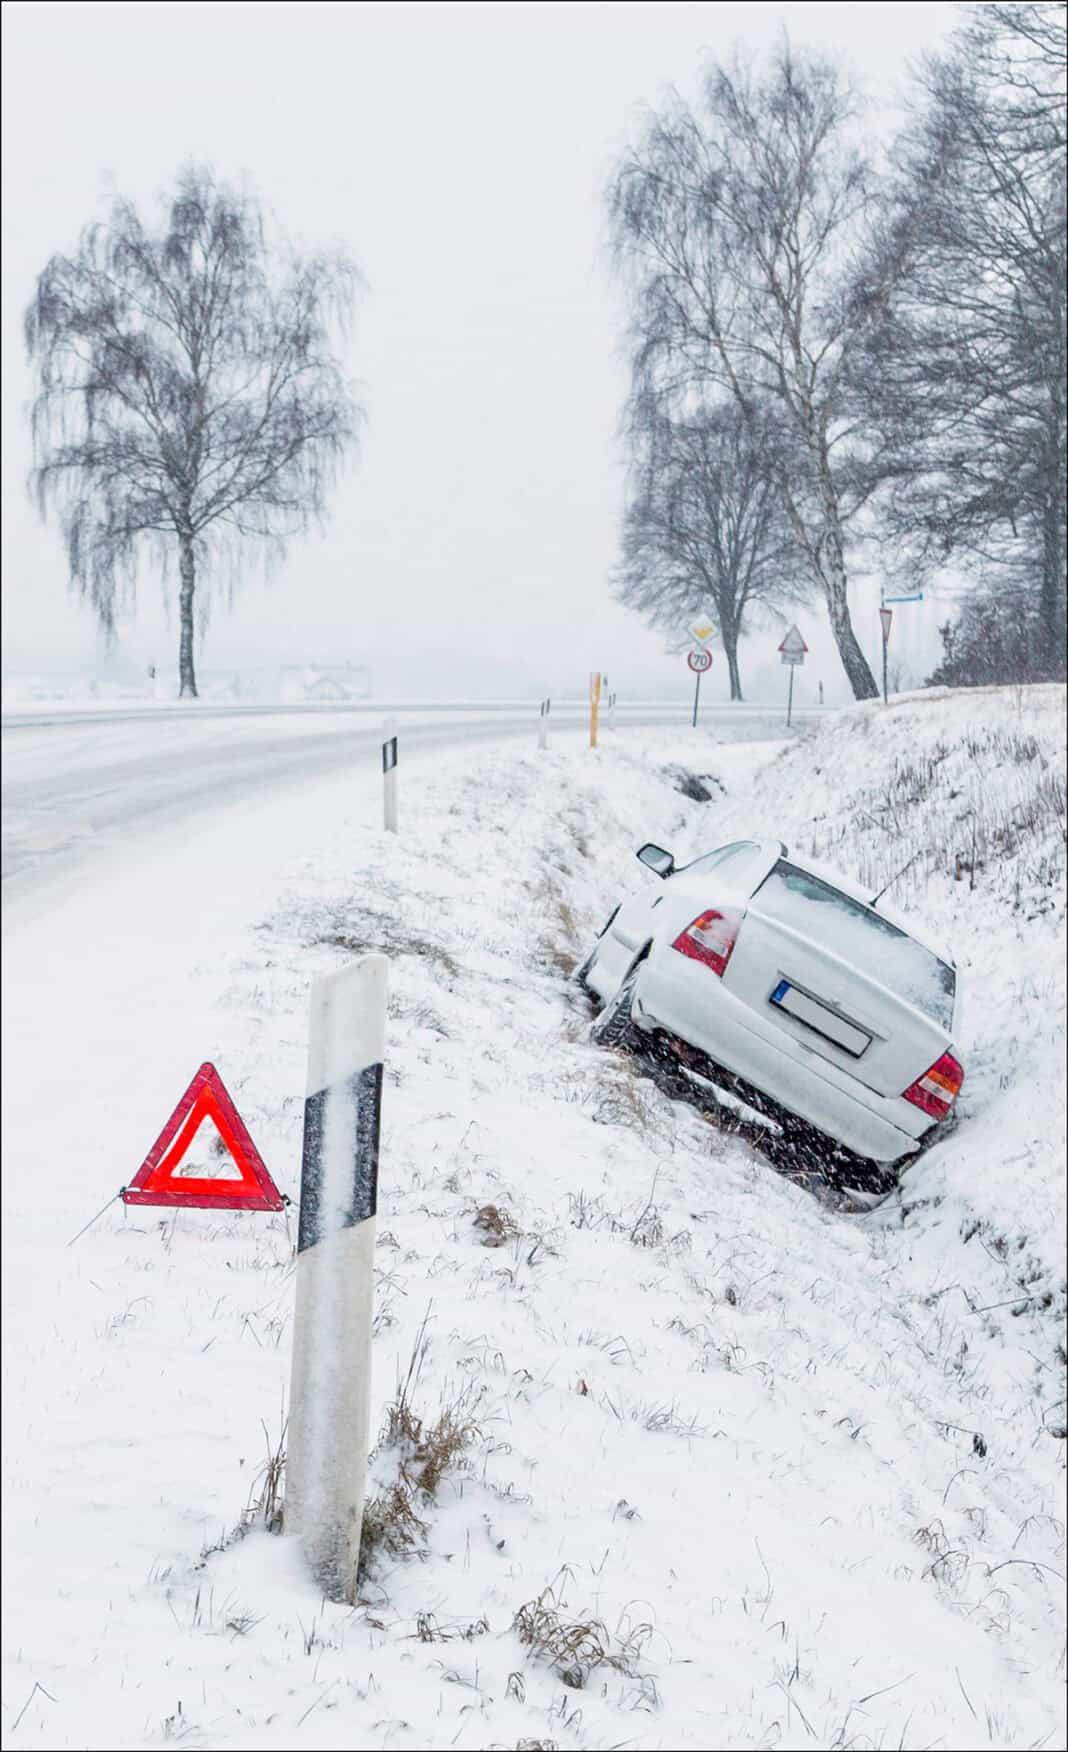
(595, 700)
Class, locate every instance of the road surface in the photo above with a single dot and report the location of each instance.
(79, 783)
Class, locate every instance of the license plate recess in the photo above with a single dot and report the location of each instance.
(820, 1019)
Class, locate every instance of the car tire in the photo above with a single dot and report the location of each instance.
(614, 1026)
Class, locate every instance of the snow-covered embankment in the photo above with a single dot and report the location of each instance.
(718, 1466)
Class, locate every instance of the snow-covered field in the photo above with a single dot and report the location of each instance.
(734, 1469)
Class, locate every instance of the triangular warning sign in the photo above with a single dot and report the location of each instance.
(793, 645)
(158, 1180)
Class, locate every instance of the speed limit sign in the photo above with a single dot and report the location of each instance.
(699, 661)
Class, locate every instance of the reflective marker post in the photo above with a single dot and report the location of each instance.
(389, 777)
(543, 724)
(329, 1399)
(595, 702)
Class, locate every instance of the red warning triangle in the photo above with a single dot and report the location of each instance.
(157, 1181)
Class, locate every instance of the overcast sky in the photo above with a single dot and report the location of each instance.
(459, 153)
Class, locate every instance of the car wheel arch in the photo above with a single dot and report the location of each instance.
(578, 977)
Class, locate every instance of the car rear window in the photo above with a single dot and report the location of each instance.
(712, 860)
(849, 928)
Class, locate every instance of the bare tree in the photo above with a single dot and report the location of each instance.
(735, 225)
(188, 394)
(964, 367)
(704, 527)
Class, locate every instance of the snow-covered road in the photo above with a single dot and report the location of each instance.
(79, 782)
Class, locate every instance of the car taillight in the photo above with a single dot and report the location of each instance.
(711, 937)
(938, 1088)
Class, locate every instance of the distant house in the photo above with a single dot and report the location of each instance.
(332, 683)
(326, 688)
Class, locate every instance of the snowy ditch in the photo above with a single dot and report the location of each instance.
(672, 1454)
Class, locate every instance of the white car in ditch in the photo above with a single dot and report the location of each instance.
(783, 982)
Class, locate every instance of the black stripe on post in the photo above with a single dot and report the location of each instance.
(363, 1092)
(389, 755)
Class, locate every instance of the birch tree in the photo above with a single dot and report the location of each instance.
(733, 224)
(189, 398)
(704, 528)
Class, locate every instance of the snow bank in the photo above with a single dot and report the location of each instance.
(737, 1470)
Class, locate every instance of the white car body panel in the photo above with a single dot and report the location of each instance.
(849, 1087)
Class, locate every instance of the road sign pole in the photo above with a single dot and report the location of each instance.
(329, 1399)
(698, 661)
(543, 725)
(886, 615)
(792, 652)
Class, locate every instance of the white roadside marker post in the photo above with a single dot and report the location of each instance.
(329, 1397)
(543, 724)
(389, 777)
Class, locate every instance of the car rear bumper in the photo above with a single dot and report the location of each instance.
(789, 1073)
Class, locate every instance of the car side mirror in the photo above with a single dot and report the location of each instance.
(657, 860)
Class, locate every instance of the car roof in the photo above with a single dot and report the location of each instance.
(848, 885)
